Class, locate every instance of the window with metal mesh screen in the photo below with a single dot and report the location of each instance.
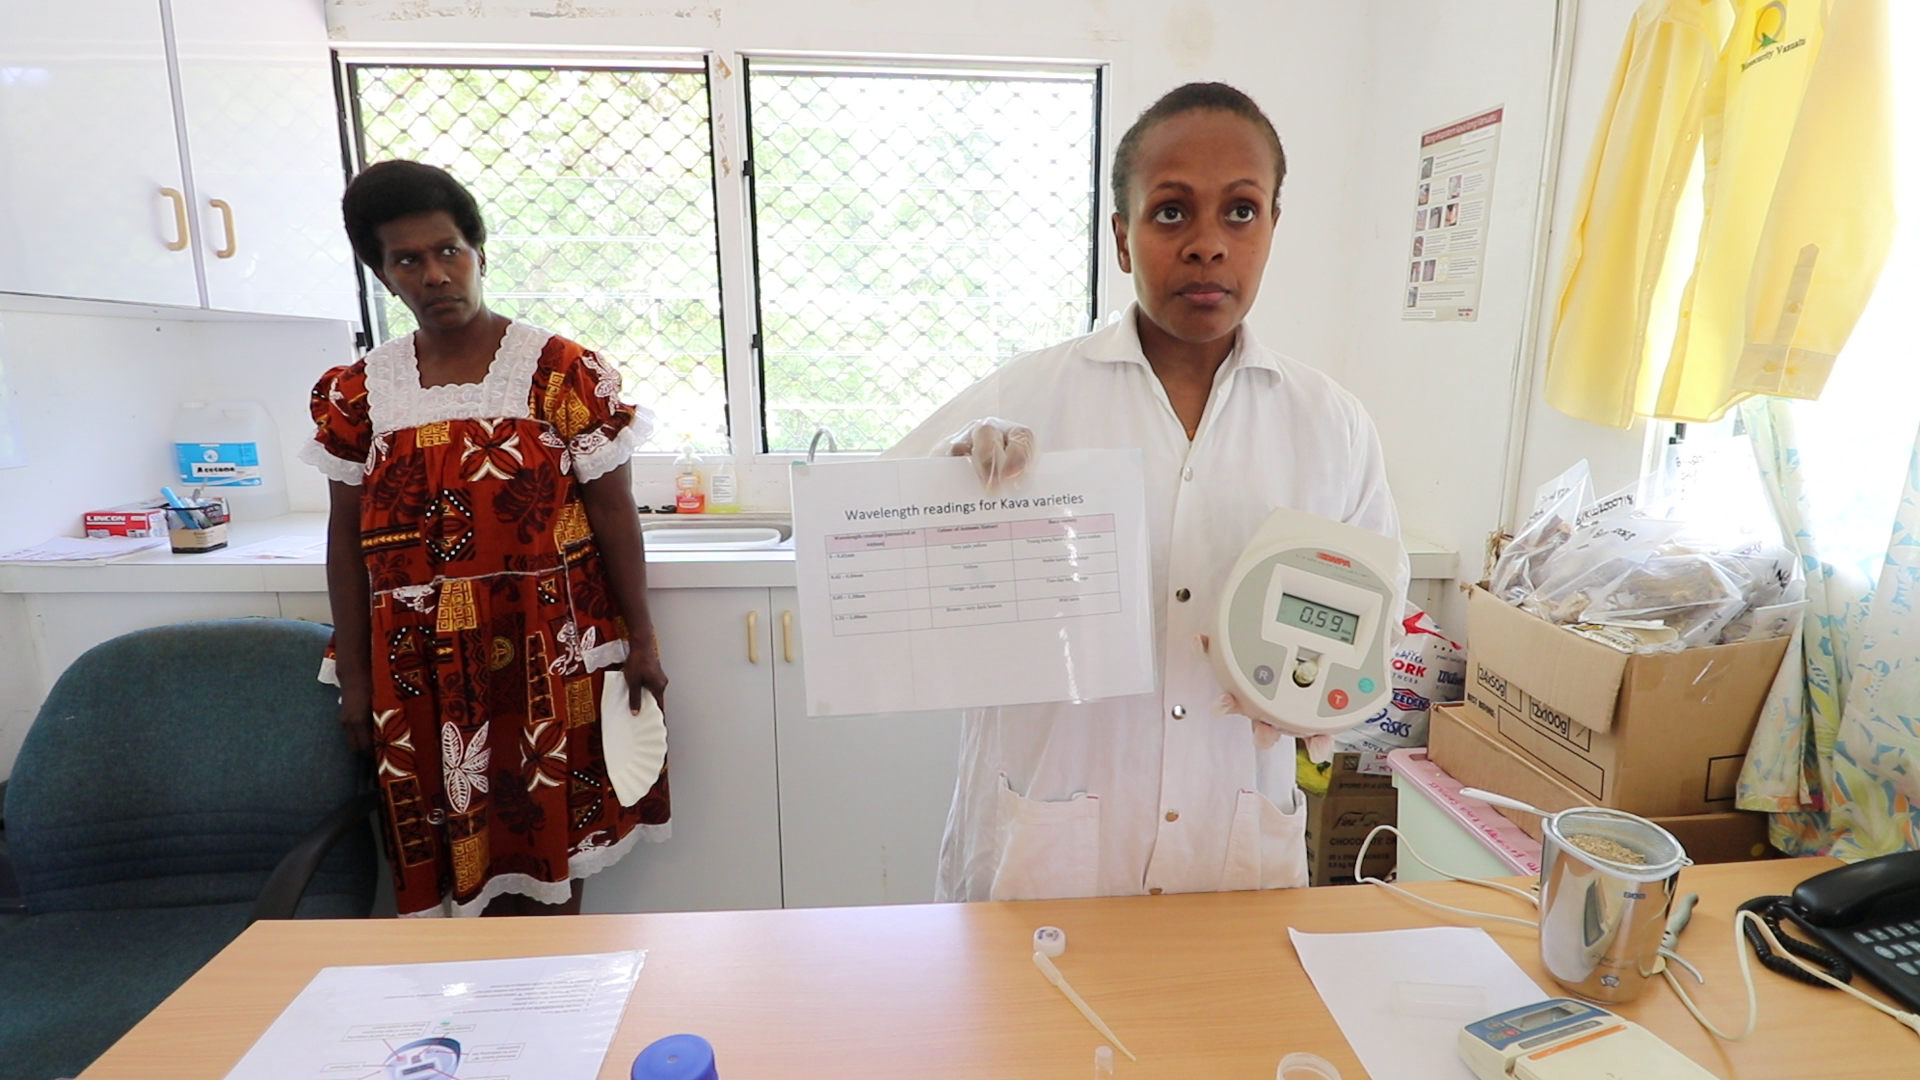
(596, 186)
(912, 233)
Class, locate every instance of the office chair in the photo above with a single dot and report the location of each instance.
(178, 783)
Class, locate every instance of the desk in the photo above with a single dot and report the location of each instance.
(1201, 985)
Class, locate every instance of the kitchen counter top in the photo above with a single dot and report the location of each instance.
(161, 571)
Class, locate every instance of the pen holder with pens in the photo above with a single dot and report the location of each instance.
(199, 527)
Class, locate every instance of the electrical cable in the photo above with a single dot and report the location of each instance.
(1361, 860)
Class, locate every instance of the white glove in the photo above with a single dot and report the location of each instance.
(1000, 449)
(1265, 735)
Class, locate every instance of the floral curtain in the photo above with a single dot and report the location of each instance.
(1836, 756)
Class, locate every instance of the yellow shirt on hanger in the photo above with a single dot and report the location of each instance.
(1799, 204)
(1618, 238)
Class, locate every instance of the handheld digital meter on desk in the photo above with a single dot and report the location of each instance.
(1564, 1039)
(1303, 630)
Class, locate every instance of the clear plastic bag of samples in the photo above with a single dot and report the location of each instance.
(1556, 509)
(1694, 594)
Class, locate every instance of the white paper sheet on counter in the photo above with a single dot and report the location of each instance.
(530, 1018)
(921, 590)
(1402, 996)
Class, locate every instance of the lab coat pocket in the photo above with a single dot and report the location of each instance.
(1266, 846)
(1048, 850)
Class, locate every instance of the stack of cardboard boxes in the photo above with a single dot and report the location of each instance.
(1558, 720)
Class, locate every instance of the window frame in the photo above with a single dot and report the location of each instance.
(762, 474)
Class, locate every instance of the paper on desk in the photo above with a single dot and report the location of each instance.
(84, 549)
(534, 1018)
(1402, 996)
(921, 590)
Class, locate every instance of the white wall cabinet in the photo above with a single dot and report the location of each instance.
(89, 155)
(96, 201)
(263, 131)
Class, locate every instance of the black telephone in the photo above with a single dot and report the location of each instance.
(1867, 913)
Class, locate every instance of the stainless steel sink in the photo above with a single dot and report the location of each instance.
(716, 532)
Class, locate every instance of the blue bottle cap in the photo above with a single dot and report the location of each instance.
(676, 1057)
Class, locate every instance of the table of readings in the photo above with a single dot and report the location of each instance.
(885, 582)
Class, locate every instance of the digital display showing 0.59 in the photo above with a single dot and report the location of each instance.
(1318, 618)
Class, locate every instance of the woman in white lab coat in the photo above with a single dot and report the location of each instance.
(1168, 791)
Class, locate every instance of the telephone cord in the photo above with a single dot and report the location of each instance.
(1745, 920)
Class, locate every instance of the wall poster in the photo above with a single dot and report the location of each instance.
(1451, 198)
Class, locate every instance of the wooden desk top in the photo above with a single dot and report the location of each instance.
(1200, 985)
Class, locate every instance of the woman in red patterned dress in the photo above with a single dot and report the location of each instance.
(485, 568)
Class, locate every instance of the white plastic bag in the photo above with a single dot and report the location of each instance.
(1428, 669)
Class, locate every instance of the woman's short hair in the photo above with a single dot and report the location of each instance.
(1193, 97)
(389, 190)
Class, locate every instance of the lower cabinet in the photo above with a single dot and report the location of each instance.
(716, 646)
(772, 808)
(863, 799)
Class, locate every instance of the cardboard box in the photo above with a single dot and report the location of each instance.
(1656, 734)
(1480, 760)
(133, 519)
(1340, 820)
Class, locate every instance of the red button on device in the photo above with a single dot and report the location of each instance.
(1337, 698)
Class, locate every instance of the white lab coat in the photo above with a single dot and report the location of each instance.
(1158, 792)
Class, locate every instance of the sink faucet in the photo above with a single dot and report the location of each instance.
(833, 447)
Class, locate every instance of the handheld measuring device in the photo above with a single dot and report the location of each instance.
(1564, 1039)
(1302, 635)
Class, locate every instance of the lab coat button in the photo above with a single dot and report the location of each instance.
(1173, 815)
(1155, 891)
(1187, 473)
(1179, 712)
(1182, 595)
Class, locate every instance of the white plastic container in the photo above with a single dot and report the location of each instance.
(723, 488)
(231, 449)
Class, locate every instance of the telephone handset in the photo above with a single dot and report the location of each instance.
(1868, 913)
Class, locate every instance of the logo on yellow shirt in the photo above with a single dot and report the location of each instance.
(1770, 25)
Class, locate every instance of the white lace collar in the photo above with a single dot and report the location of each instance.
(396, 400)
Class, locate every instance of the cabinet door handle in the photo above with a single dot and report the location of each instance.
(786, 635)
(226, 217)
(179, 243)
(753, 637)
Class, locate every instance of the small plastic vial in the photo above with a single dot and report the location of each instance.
(1103, 1063)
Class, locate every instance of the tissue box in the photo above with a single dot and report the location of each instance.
(133, 519)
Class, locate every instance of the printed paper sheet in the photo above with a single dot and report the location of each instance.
(919, 590)
(534, 1018)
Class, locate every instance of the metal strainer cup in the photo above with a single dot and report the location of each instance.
(1606, 880)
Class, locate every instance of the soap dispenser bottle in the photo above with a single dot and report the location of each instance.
(689, 481)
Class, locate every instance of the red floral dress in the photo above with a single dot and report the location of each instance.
(493, 617)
